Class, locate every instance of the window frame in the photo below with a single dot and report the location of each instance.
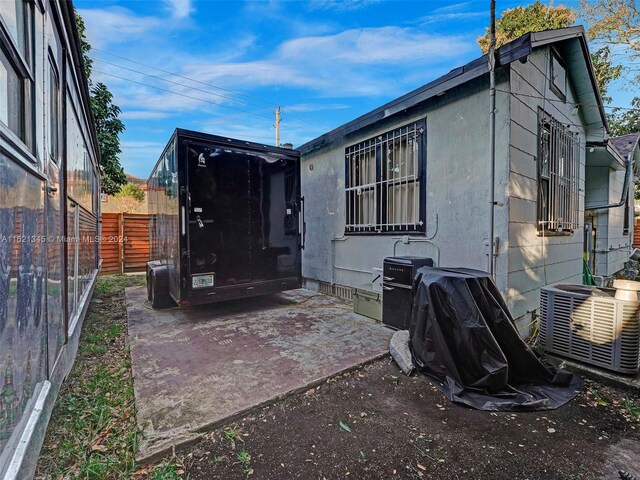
(381, 183)
(22, 62)
(565, 188)
(559, 91)
(54, 129)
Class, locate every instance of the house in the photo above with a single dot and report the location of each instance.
(413, 177)
(609, 203)
(49, 211)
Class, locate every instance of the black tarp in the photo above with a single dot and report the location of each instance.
(463, 336)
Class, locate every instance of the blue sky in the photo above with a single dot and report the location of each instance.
(223, 67)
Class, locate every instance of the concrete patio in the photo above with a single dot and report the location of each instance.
(196, 367)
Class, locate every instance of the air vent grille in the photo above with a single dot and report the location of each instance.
(592, 326)
(346, 293)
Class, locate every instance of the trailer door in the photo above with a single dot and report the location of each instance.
(218, 217)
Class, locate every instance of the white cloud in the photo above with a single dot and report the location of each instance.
(355, 62)
(369, 62)
(179, 8)
(341, 5)
(456, 7)
(116, 25)
(383, 45)
(315, 107)
(142, 115)
(443, 18)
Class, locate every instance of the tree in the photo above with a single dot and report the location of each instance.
(537, 17)
(623, 121)
(614, 22)
(108, 125)
(85, 46)
(109, 128)
(605, 70)
(518, 21)
(129, 198)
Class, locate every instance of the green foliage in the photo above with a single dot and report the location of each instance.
(614, 22)
(84, 45)
(109, 128)
(131, 190)
(108, 125)
(518, 21)
(625, 121)
(605, 70)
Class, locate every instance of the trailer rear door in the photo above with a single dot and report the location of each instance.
(242, 216)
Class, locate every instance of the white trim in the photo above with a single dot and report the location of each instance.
(83, 299)
(20, 452)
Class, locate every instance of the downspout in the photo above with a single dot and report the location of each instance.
(492, 133)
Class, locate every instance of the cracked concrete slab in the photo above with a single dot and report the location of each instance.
(196, 367)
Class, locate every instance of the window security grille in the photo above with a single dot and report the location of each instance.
(558, 175)
(385, 182)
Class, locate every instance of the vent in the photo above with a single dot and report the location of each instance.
(590, 325)
(346, 293)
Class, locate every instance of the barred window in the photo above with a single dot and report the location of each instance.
(558, 175)
(385, 182)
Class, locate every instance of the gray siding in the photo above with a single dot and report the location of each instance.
(457, 192)
(536, 260)
(604, 186)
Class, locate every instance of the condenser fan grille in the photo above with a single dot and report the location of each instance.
(592, 326)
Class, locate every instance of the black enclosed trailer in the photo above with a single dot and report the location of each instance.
(226, 220)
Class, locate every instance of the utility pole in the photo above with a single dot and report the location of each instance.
(492, 134)
(277, 127)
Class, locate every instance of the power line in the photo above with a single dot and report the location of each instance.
(199, 99)
(265, 102)
(157, 77)
(575, 104)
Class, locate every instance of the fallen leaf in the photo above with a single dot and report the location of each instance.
(344, 426)
(421, 467)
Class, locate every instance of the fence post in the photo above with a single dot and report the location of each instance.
(120, 241)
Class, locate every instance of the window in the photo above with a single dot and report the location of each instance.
(54, 112)
(11, 97)
(558, 82)
(558, 175)
(16, 52)
(385, 182)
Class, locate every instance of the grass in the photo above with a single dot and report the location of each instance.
(92, 433)
(233, 435)
(244, 459)
(632, 409)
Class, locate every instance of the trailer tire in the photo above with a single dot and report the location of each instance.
(159, 286)
(150, 266)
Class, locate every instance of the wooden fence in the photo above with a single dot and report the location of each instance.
(125, 243)
(636, 235)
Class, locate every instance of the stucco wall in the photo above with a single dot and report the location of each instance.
(457, 191)
(536, 260)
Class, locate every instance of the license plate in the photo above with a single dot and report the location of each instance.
(202, 281)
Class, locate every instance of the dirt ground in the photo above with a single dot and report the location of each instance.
(377, 423)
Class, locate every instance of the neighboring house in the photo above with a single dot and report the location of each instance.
(413, 176)
(49, 210)
(110, 203)
(609, 203)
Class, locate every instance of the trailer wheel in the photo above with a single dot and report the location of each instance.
(150, 266)
(159, 287)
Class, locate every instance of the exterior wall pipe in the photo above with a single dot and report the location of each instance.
(625, 190)
(344, 238)
(418, 240)
(492, 134)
